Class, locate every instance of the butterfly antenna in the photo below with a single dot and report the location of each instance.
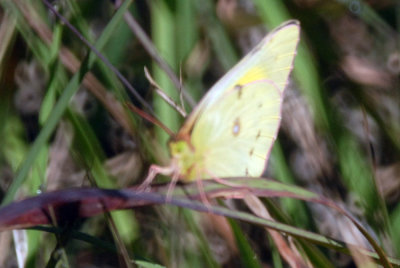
(150, 118)
(163, 95)
(180, 88)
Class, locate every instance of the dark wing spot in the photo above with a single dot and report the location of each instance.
(260, 105)
(246, 171)
(258, 134)
(251, 151)
(236, 127)
(239, 89)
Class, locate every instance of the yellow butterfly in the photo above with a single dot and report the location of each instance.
(231, 131)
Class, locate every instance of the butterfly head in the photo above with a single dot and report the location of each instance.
(184, 155)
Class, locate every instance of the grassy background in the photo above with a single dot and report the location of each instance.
(63, 124)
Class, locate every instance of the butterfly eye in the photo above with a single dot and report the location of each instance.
(177, 147)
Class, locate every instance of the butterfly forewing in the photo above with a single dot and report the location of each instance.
(271, 59)
(231, 131)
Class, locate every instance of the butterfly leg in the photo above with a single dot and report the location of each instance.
(238, 186)
(226, 182)
(153, 171)
(203, 195)
(172, 184)
(222, 181)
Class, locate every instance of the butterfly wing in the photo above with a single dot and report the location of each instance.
(232, 129)
(234, 137)
(271, 59)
